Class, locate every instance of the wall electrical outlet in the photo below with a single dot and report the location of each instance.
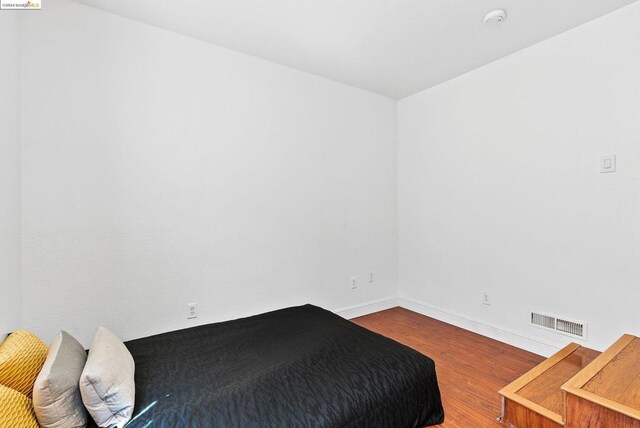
(192, 310)
(485, 299)
(372, 277)
(354, 282)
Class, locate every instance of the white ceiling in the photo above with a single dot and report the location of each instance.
(392, 47)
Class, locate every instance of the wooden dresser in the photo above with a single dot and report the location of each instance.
(607, 392)
(578, 388)
(536, 398)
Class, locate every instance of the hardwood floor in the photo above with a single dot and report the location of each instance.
(470, 368)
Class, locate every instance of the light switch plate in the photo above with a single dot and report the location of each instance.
(608, 163)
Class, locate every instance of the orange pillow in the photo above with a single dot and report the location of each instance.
(22, 355)
(16, 410)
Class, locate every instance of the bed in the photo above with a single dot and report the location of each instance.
(296, 367)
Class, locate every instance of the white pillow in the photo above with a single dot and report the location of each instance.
(56, 395)
(107, 384)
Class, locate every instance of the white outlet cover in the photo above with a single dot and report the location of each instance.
(192, 310)
(486, 300)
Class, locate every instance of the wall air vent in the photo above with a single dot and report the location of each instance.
(564, 326)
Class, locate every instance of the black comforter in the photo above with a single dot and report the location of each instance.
(296, 367)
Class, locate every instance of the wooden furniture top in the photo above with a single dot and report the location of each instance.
(539, 388)
(613, 379)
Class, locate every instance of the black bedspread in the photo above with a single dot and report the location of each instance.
(296, 367)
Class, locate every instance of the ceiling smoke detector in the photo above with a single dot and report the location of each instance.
(495, 17)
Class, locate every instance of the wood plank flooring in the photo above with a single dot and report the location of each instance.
(470, 368)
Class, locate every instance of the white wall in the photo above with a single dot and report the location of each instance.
(10, 291)
(500, 189)
(159, 171)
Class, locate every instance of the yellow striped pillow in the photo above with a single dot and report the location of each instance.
(22, 355)
(16, 410)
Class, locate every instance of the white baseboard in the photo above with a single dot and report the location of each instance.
(499, 333)
(367, 308)
(492, 331)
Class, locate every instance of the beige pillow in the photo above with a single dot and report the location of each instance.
(56, 394)
(107, 383)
